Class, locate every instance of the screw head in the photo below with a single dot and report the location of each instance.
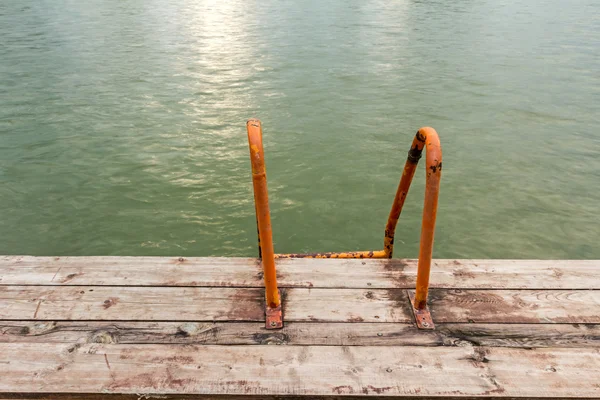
(425, 324)
(379, 334)
(388, 370)
(273, 323)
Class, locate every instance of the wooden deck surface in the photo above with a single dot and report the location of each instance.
(178, 328)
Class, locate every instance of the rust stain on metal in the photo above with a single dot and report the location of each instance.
(345, 255)
(414, 154)
(436, 167)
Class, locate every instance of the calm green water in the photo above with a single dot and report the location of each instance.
(122, 124)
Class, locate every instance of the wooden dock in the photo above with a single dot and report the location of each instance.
(187, 328)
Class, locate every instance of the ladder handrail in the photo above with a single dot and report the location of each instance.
(425, 138)
(263, 221)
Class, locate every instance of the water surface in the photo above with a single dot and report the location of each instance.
(122, 124)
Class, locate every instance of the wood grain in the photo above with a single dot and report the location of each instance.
(515, 306)
(323, 273)
(142, 327)
(300, 333)
(124, 303)
(326, 305)
(298, 370)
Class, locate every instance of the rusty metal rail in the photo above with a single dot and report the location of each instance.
(425, 138)
(263, 220)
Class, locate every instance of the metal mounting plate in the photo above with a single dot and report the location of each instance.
(422, 317)
(274, 318)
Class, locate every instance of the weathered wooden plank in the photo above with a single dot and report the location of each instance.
(175, 396)
(515, 306)
(298, 370)
(144, 396)
(124, 303)
(323, 273)
(521, 335)
(300, 333)
(333, 305)
(221, 333)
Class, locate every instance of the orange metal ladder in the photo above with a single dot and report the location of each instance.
(425, 137)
